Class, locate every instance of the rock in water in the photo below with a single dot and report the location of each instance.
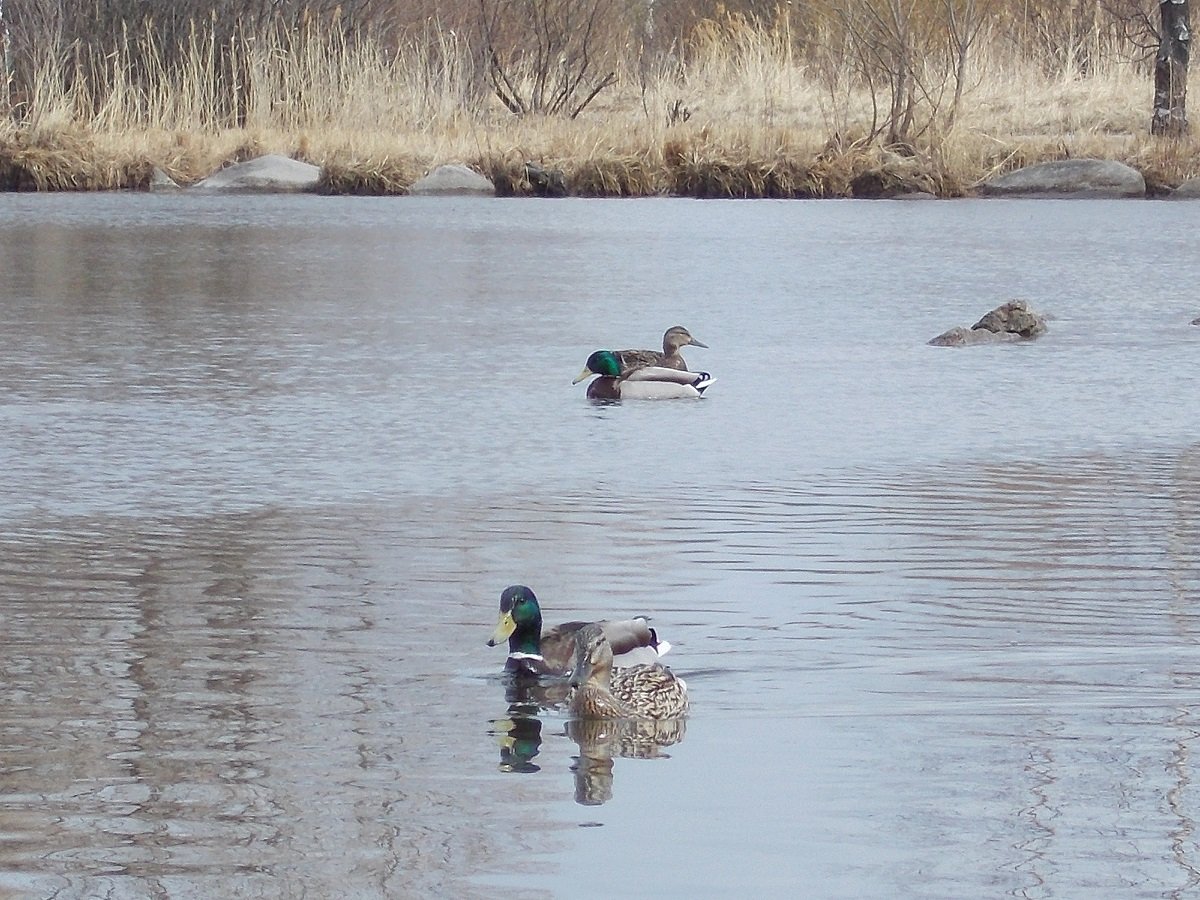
(1011, 321)
(1013, 317)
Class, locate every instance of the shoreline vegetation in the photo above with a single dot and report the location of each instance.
(732, 106)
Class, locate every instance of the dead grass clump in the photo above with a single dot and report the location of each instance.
(711, 170)
(382, 176)
(1165, 163)
(887, 173)
(627, 175)
(66, 161)
(251, 148)
(742, 180)
(184, 156)
(836, 167)
(506, 169)
(999, 159)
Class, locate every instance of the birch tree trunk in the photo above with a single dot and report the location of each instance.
(5, 66)
(1170, 71)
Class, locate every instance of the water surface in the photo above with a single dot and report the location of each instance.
(266, 464)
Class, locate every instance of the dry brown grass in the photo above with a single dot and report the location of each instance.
(741, 116)
(67, 160)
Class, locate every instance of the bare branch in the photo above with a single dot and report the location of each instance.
(542, 52)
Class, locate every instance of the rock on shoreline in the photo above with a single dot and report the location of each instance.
(457, 180)
(269, 174)
(1083, 178)
(1088, 178)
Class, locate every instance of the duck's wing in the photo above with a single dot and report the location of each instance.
(660, 383)
(639, 656)
(673, 361)
(632, 360)
(558, 646)
(651, 692)
(666, 375)
(634, 642)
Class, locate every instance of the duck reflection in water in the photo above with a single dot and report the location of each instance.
(603, 740)
(520, 740)
(519, 734)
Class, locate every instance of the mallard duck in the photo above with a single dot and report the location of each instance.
(644, 383)
(532, 652)
(674, 339)
(598, 691)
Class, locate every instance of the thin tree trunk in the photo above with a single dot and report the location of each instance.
(5, 66)
(1170, 71)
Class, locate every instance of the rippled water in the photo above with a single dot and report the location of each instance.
(266, 464)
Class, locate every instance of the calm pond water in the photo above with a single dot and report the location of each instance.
(266, 464)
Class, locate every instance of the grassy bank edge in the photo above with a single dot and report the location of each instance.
(680, 166)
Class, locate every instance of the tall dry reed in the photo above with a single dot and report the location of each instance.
(745, 109)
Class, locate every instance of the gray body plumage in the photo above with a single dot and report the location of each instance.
(650, 383)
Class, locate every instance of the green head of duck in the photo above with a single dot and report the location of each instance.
(520, 621)
(602, 362)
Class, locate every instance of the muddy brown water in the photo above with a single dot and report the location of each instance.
(266, 464)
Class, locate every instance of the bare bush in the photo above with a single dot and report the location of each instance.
(913, 58)
(551, 57)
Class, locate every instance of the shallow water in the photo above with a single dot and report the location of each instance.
(266, 464)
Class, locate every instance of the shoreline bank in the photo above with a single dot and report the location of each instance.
(677, 168)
